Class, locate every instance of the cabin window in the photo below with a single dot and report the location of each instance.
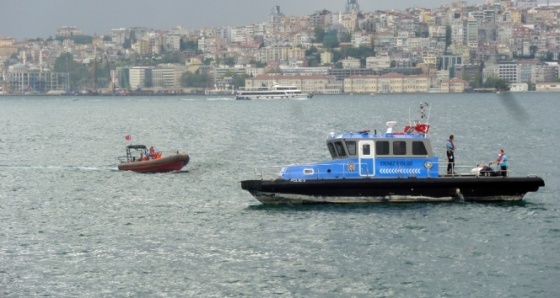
(308, 171)
(399, 148)
(382, 147)
(351, 146)
(418, 148)
(340, 149)
(331, 149)
(366, 150)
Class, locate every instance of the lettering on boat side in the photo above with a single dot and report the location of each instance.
(297, 180)
(396, 163)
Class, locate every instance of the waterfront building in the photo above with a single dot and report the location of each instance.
(21, 80)
(507, 71)
(547, 87)
(308, 83)
(140, 77)
(341, 74)
(544, 73)
(168, 76)
(519, 87)
(387, 83)
(454, 85)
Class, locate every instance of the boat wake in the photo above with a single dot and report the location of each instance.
(220, 98)
(57, 168)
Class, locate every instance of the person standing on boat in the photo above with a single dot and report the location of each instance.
(502, 162)
(450, 146)
(152, 152)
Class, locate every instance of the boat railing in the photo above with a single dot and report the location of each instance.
(269, 173)
(123, 158)
(459, 170)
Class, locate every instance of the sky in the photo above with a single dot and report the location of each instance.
(22, 19)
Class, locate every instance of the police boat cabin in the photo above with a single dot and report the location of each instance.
(364, 154)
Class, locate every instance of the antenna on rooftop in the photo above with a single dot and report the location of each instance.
(352, 6)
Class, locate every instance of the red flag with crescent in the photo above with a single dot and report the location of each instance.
(128, 137)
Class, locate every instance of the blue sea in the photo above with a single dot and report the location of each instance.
(72, 225)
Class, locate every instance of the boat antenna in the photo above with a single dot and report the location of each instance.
(425, 109)
(409, 116)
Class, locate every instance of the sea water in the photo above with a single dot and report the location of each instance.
(72, 225)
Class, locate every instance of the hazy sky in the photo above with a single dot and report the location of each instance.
(40, 18)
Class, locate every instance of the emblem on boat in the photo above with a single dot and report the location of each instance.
(351, 166)
(428, 165)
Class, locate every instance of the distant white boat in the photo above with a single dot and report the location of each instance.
(217, 91)
(276, 91)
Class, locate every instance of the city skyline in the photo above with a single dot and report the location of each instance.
(31, 19)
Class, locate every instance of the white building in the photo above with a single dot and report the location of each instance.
(139, 76)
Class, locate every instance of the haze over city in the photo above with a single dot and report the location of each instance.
(31, 19)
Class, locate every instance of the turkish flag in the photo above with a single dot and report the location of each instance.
(128, 137)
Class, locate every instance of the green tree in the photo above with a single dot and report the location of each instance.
(493, 82)
(346, 37)
(80, 75)
(447, 36)
(331, 40)
(258, 63)
(188, 45)
(230, 61)
(319, 34)
(189, 79)
(238, 79)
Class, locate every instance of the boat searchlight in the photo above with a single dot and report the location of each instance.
(390, 125)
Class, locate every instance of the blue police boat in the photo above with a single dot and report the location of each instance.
(395, 166)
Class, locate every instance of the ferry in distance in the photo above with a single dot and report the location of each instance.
(275, 91)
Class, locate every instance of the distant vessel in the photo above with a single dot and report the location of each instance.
(276, 91)
(217, 91)
(138, 159)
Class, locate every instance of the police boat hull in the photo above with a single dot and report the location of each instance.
(392, 190)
